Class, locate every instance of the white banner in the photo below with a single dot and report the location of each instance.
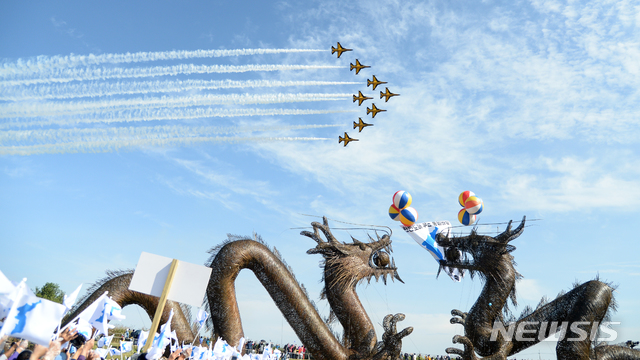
(425, 235)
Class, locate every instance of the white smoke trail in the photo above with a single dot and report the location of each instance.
(45, 63)
(99, 89)
(166, 114)
(53, 136)
(33, 109)
(109, 145)
(87, 74)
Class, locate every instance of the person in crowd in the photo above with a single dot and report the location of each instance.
(19, 348)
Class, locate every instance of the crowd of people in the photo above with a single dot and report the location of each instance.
(21, 350)
(427, 357)
(288, 351)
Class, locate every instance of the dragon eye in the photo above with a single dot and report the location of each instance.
(381, 259)
(452, 254)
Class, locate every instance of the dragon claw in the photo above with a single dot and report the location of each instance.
(459, 317)
(454, 351)
(468, 352)
(391, 344)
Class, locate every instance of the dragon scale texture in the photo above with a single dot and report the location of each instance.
(345, 265)
(586, 304)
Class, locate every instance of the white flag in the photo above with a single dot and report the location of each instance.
(158, 346)
(113, 351)
(71, 299)
(93, 314)
(6, 288)
(425, 235)
(113, 310)
(266, 354)
(241, 344)
(202, 317)
(83, 328)
(105, 341)
(126, 346)
(102, 352)
(199, 353)
(30, 317)
(142, 339)
(276, 354)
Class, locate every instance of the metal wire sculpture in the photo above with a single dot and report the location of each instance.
(345, 266)
(117, 284)
(586, 305)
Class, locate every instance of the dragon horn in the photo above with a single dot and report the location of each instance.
(440, 267)
(316, 234)
(509, 235)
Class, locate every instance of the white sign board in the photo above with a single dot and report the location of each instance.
(189, 283)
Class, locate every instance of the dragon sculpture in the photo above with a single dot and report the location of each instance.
(345, 266)
(492, 261)
(116, 283)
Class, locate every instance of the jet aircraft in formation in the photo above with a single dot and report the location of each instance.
(358, 66)
(360, 98)
(346, 139)
(387, 94)
(375, 82)
(339, 50)
(360, 124)
(374, 110)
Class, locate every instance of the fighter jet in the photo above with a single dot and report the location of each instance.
(360, 124)
(346, 139)
(358, 66)
(360, 98)
(340, 50)
(374, 82)
(374, 110)
(387, 94)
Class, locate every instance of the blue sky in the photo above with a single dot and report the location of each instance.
(530, 104)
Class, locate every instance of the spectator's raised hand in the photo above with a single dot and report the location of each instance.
(68, 334)
(175, 354)
(38, 352)
(186, 354)
(93, 355)
(53, 351)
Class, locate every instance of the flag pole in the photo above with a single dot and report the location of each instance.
(161, 303)
(198, 333)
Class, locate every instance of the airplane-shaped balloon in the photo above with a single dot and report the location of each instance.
(387, 94)
(360, 124)
(340, 50)
(374, 110)
(346, 139)
(374, 82)
(360, 98)
(358, 66)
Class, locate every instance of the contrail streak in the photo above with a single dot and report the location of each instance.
(53, 136)
(67, 75)
(167, 114)
(14, 110)
(41, 63)
(99, 89)
(109, 145)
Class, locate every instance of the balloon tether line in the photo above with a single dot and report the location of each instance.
(349, 223)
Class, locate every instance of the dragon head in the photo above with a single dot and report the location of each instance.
(488, 254)
(349, 263)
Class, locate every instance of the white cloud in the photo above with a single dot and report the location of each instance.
(533, 111)
(530, 290)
